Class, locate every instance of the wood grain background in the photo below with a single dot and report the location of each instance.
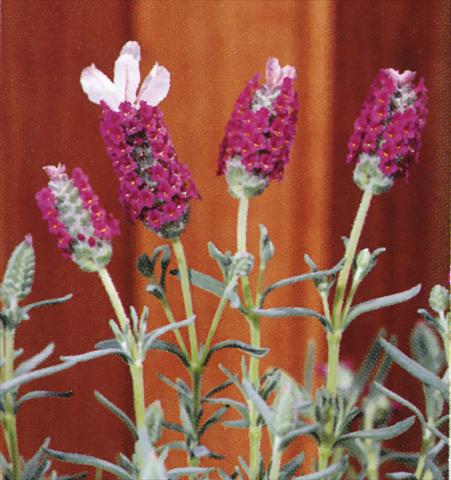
(212, 48)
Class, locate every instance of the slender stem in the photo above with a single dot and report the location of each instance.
(333, 360)
(170, 316)
(334, 337)
(255, 432)
(196, 369)
(136, 372)
(371, 448)
(349, 257)
(275, 459)
(186, 291)
(9, 417)
(241, 232)
(214, 325)
(113, 296)
(136, 368)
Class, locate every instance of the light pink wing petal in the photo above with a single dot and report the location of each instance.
(155, 86)
(132, 48)
(273, 73)
(98, 86)
(288, 71)
(126, 77)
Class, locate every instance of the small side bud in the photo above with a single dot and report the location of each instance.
(154, 421)
(145, 265)
(439, 299)
(18, 279)
(425, 348)
(266, 246)
(242, 264)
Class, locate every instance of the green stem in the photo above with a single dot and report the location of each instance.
(333, 360)
(371, 449)
(255, 432)
(349, 257)
(214, 325)
(196, 369)
(136, 367)
(9, 417)
(186, 292)
(170, 316)
(136, 371)
(275, 459)
(113, 295)
(421, 472)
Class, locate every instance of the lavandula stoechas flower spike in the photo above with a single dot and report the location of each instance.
(74, 215)
(153, 186)
(260, 133)
(387, 133)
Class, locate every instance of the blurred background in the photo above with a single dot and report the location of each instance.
(211, 49)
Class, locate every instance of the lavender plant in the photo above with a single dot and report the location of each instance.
(15, 288)
(349, 416)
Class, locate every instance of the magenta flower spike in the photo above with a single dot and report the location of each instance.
(259, 135)
(387, 134)
(84, 230)
(153, 186)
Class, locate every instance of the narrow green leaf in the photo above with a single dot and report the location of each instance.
(47, 302)
(170, 348)
(414, 368)
(289, 469)
(384, 433)
(401, 476)
(326, 473)
(151, 337)
(316, 275)
(41, 394)
(212, 420)
(210, 285)
(123, 417)
(34, 361)
(187, 471)
(90, 461)
(229, 402)
(290, 436)
(263, 409)
(245, 347)
(86, 357)
(381, 302)
(29, 471)
(28, 377)
(279, 312)
(218, 388)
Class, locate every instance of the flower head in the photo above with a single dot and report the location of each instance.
(260, 132)
(98, 87)
(74, 215)
(153, 186)
(387, 133)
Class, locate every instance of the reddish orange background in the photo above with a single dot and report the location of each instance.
(212, 48)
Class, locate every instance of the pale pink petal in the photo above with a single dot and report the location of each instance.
(273, 73)
(126, 77)
(55, 172)
(288, 72)
(132, 48)
(402, 78)
(98, 86)
(155, 86)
